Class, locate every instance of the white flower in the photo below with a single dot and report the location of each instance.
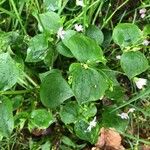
(131, 110)
(61, 33)
(140, 82)
(92, 124)
(146, 42)
(78, 27)
(118, 57)
(142, 11)
(124, 115)
(143, 15)
(80, 3)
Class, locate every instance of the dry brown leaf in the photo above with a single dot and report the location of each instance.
(145, 147)
(109, 139)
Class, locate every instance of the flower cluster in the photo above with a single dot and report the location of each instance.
(142, 12)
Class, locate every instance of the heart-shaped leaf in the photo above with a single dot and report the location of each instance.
(54, 90)
(134, 63)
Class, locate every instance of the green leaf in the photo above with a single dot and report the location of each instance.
(54, 90)
(87, 83)
(50, 21)
(107, 38)
(85, 49)
(146, 30)
(17, 101)
(69, 112)
(95, 33)
(81, 131)
(67, 141)
(72, 112)
(126, 34)
(133, 63)
(7, 39)
(37, 49)
(51, 5)
(9, 72)
(6, 116)
(41, 119)
(63, 50)
(112, 120)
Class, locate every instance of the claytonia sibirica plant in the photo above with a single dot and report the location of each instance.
(92, 124)
(78, 27)
(60, 33)
(64, 62)
(140, 82)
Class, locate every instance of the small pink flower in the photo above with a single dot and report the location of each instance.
(118, 57)
(91, 125)
(124, 115)
(78, 27)
(146, 42)
(80, 3)
(142, 11)
(61, 33)
(143, 15)
(140, 82)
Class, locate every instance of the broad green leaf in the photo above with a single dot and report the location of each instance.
(63, 50)
(72, 112)
(85, 49)
(7, 39)
(126, 34)
(50, 57)
(17, 101)
(9, 72)
(6, 117)
(134, 63)
(68, 141)
(107, 38)
(50, 21)
(87, 83)
(95, 33)
(112, 120)
(41, 119)
(69, 112)
(46, 146)
(51, 5)
(68, 35)
(37, 49)
(54, 90)
(146, 30)
(81, 131)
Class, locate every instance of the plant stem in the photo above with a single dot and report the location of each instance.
(109, 18)
(18, 16)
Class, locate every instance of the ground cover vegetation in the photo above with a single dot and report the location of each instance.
(74, 74)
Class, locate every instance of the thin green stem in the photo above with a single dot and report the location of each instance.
(30, 80)
(135, 138)
(143, 94)
(97, 13)
(18, 16)
(15, 92)
(109, 18)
